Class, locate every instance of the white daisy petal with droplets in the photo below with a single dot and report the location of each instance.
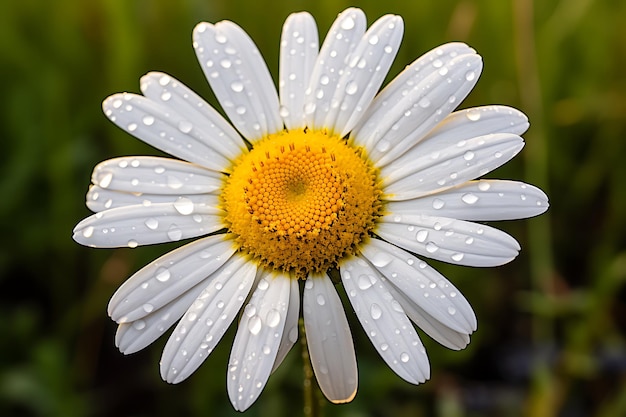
(207, 319)
(154, 175)
(481, 200)
(168, 277)
(329, 339)
(427, 169)
(133, 226)
(384, 321)
(416, 103)
(449, 240)
(258, 338)
(366, 69)
(290, 334)
(422, 285)
(342, 37)
(328, 175)
(101, 199)
(299, 46)
(239, 78)
(192, 136)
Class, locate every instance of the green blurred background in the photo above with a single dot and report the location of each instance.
(551, 324)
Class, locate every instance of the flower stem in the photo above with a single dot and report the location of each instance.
(312, 408)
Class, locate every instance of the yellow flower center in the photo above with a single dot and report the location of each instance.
(299, 201)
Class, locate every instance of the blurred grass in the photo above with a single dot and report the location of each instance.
(551, 324)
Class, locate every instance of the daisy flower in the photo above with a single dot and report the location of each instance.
(327, 174)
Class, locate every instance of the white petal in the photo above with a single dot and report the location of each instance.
(239, 78)
(290, 334)
(329, 339)
(479, 121)
(135, 335)
(340, 41)
(169, 277)
(184, 135)
(153, 175)
(431, 326)
(298, 51)
(397, 120)
(384, 321)
(449, 240)
(257, 340)
(207, 319)
(364, 73)
(101, 199)
(132, 226)
(421, 284)
(481, 200)
(430, 167)
(162, 88)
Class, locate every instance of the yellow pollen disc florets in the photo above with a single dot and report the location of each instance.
(300, 201)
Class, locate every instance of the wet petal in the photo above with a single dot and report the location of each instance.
(169, 277)
(153, 175)
(239, 78)
(258, 337)
(365, 70)
(421, 284)
(132, 226)
(429, 167)
(449, 240)
(298, 51)
(384, 321)
(340, 41)
(442, 334)
(416, 101)
(207, 319)
(482, 200)
(478, 121)
(188, 136)
(329, 340)
(290, 334)
(101, 199)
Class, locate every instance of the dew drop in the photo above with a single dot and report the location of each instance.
(273, 318)
(139, 324)
(166, 96)
(473, 115)
(105, 181)
(384, 347)
(373, 40)
(470, 75)
(451, 311)
(162, 274)
(152, 223)
(255, 325)
(468, 156)
(457, 257)
(431, 247)
(174, 233)
(424, 102)
(237, 86)
(88, 232)
(469, 240)
(383, 145)
(184, 206)
(283, 111)
(321, 300)
(351, 88)
(469, 198)
(438, 203)
(132, 127)
(309, 108)
(404, 357)
(132, 243)
(148, 120)
(184, 126)
(484, 186)
(421, 235)
(347, 23)
(375, 311)
(364, 282)
(263, 284)
(381, 259)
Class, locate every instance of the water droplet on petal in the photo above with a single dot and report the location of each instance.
(457, 257)
(373, 40)
(431, 247)
(347, 23)
(184, 126)
(162, 274)
(438, 203)
(468, 156)
(237, 86)
(451, 310)
(152, 223)
(255, 325)
(273, 318)
(263, 284)
(105, 181)
(470, 75)
(484, 186)
(421, 235)
(184, 206)
(469, 198)
(375, 311)
(404, 357)
(351, 88)
(88, 232)
(320, 299)
(473, 115)
(365, 281)
(148, 120)
(174, 233)
(132, 243)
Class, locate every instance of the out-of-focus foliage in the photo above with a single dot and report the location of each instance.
(551, 324)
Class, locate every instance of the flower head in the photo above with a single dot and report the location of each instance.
(327, 174)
